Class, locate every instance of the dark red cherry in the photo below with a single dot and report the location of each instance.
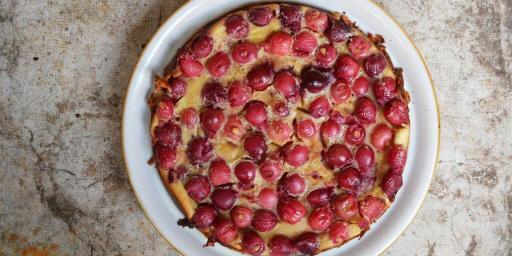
(397, 156)
(307, 243)
(165, 109)
(264, 220)
(346, 68)
(349, 179)
(199, 151)
(245, 172)
(329, 130)
(212, 120)
(365, 158)
(237, 26)
(306, 129)
(260, 77)
(290, 210)
(177, 88)
(325, 55)
(198, 188)
(320, 196)
(305, 44)
(381, 136)
(218, 65)
(241, 216)
(355, 134)
(375, 64)
(189, 117)
(256, 113)
(320, 218)
(244, 52)
(316, 20)
(201, 46)
(219, 172)
(239, 94)
(204, 216)
(223, 198)
(313, 80)
(371, 207)
(365, 110)
(286, 84)
(270, 170)
(252, 243)
(359, 46)
(169, 135)
(279, 43)
(390, 184)
(281, 245)
(213, 93)
(260, 16)
(295, 155)
(384, 90)
(319, 107)
(255, 145)
(337, 30)
(396, 112)
(337, 156)
(345, 206)
(267, 198)
(361, 86)
(290, 16)
(291, 185)
(165, 157)
(224, 230)
(189, 67)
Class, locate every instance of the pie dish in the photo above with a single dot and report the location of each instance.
(164, 213)
(281, 129)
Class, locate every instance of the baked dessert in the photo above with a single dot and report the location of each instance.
(281, 129)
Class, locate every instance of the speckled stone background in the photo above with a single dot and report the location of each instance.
(64, 68)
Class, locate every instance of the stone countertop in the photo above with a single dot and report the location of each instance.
(64, 68)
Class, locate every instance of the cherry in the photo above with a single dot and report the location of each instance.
(313, 80)
(169, 135)
(396, 112)
(219, 172)
(241, 216)
(237, 26)
(224, 198)
(290, 16)
(371, 207)
(286, 84)
(256, 113)
(359, 46)
(355, 134)
(365, 158)
(340, 92)
(264, 220)
(244, 52)
(224, 230)
(290, 210)
(281, 245)
(391, 183)
(295, 155)
(260, 16)
(397, 156)
(375, 64)
(177, 88)
(199, 151)
(204, 216)
(306, 129)
(176, 173)
(291, 185)
(198, 188)
(212, 120)
(213, 93)
(270, 170)
(329, 130)
(165, 109)
(337, 156)
(260, 77)
(201, 46)
(337, 30)
(252, 243)
(345, 206)
(361, 86)
(218, 65)
(279, 131)
(381, 136)
(239, 94)
(346, 68)
(307, 243)
(245, 172)
(280, 109)
(338, 232)
(189, 117)
(349, 179)
(365, 110)
(320, 218)
(305, 44)
(325, 55)
(279, 43)
(255, 145)
(320, 196)
(316, 20)
(384, 90)
(189, 66)
(319, 107)
(234, 129)
(165, 157)
(267, 198)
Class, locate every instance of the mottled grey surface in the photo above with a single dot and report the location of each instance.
(64, 68)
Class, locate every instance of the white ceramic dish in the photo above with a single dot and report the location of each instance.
(163, 212)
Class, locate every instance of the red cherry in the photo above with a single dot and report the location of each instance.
(199, 151)
(291, 185)
(204, 216)
(384, 90)
(245, 172)
(305, 44)
(189, 67)
(212, 120)
(337, 30)
(169, 135)
(329, 130)
(255, 145)
(337, 156)
(219, 172)
(397, 156)
(290, 210)
(198, 188)
(390, 184)
(365, 158)
(237, 26)
(296, 155)
(244, 52)
(319, 107)
(256, 113)
(252, 243)
(349, 179)
(371, 207)
(267, 198)
(280, 109)
(201, 46)
(365, 110)
(189, 117)
(224, 198)
(396, 112)
(316, 20)
(165, 157)
(279, 43)
(290, 16)
(320, 218)
(355, 134)
(224, 230)
(260, 16)
(270, 170)
(375, 64)
(307, 243)
(264, 220)
(260, 77)
(326, 55)
(346, 68)
(320, 196)
(213, 93)
(165, 109)
(381, 136)
(306, 129)
(286, 84)
(313, 80)
(234, 129)
(361, 86)
(239, 94)
(345, 206)
(218, 65)
(359, 46)
(241, 216)
(279, 131)
(340, 92)
(280, 245)
(338, 232)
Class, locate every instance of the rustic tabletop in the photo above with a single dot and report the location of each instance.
(64, 68)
